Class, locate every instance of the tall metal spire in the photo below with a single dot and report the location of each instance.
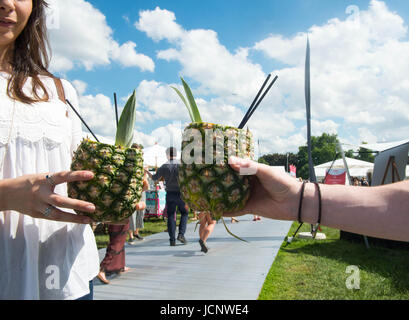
(312, 176)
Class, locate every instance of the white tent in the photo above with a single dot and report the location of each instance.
(154, 156)
(357, 168)
(383, 146)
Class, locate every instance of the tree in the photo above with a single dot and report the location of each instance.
(277, 159)
(365, 154)
(323, 149)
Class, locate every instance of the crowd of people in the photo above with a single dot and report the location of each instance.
(356, 181)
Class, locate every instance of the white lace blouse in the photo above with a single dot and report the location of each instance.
(42, 259)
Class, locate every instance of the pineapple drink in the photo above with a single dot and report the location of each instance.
(207, 182)
(118, 172)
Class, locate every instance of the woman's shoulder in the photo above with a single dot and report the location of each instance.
(49, 82)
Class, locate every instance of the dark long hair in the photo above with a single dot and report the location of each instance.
(30, 57)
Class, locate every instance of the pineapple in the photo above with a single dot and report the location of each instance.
(118, 172)
(207, 182)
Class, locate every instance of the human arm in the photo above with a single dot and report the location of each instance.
(157, 175)
(33, 194)
(380, 212)
(148, 173)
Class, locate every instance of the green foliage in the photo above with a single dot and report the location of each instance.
(277, 159)
(125, 131)
(310, 269)
(190, 103)
(365, 154)
(323, 149)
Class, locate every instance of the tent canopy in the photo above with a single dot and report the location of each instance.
(357, 168)
(379, 147)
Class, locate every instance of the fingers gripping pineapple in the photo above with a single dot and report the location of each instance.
(207, 182)
(118, 172)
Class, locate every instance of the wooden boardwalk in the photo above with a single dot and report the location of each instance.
(230, 270)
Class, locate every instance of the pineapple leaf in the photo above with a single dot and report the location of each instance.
(192, 102)
(125, 130)
(230, 233)
(185, 102)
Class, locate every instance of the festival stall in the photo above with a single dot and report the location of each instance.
(153, 158)
(357, 168)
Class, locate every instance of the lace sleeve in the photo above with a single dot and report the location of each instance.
(76, 126)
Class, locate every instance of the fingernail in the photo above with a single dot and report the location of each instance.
(89, 174)
(90, 207)
(234, 160)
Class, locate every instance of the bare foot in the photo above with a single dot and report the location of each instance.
(125, 270)
(102, 277)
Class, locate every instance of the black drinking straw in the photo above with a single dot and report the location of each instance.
(116, 109)
(82, 119)
(254, 102)
(258, 103)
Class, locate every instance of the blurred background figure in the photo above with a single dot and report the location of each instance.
(207, 225)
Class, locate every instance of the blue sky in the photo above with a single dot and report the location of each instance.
(235, 44)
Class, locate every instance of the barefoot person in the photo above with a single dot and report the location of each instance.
(207, 225)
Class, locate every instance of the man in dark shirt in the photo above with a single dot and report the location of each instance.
(169, 171)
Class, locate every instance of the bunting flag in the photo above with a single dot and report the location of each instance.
(293, 171)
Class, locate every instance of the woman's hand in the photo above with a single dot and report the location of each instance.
(34, 195)
(274, 194)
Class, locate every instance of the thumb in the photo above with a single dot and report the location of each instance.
(245, 167)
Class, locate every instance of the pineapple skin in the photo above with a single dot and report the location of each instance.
(117, 184)
(215, 187)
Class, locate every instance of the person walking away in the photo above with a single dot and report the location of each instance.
(114, 260)
(136, 223)
(136, 220)
(169, 171)
(207, 225)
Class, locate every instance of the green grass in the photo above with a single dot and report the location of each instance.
(316, 270)
(151, 226)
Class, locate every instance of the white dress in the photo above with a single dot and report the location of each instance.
(42, 259)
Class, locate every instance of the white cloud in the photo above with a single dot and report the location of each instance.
(80, 86)
(203, 58)
(358, 75)
(159, 24)
(160, 101)
(99, 114)
(83, 38)
(127, 57)
(358, 79)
